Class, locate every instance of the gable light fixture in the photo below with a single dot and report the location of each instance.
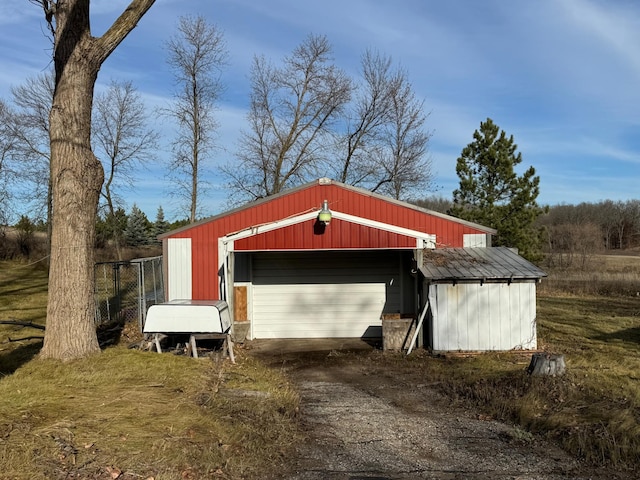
(325, 214)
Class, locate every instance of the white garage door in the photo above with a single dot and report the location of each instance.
(323, 294)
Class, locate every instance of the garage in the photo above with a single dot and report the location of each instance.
(321, 260)
(327, 294)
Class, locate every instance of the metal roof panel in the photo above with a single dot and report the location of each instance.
(490, 263)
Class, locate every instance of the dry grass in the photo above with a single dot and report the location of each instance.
(168, 416)
(23, 297)
(146, 415)
(606, 275)
(139, 414)
(593, 410)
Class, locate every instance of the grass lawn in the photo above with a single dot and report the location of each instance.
(140, 414)
(23, 297)
(594, 409)
(167, 416)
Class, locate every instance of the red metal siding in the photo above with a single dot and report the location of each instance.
(337, 235)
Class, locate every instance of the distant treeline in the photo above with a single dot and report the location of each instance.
(571, 232)
(583, 228)
(27, 239)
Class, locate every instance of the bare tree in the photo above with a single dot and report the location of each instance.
(384, 145)
(76, 174)
(436, 203)
(618, 221)
(633, 210)
(607, 215)
(196, 56)
(7, 150)
(304, 121)
(621, 222)
(401, 163)
(572, 245)
(33, 100)
(122, 141)
(291, 112)
(365, 119)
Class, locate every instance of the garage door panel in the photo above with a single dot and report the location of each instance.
(297, 311)
(320, 295)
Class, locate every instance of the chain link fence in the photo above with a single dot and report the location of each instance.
(125, 290)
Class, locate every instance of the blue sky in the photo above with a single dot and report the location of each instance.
(561, 76)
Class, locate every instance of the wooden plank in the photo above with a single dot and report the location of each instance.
(240, 311)
(194, 348)
(227, 345)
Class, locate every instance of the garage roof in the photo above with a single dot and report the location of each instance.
(478, 264)
(293, 196)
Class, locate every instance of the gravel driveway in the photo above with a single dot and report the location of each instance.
(362, 424)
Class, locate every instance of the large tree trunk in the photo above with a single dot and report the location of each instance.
(76, 174)
(77, 177)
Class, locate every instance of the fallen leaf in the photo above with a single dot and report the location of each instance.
(114, 472)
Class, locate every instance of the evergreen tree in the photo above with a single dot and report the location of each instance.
(25, 230)
(137, 231)
(492, 194)
(109, 226)
(160, 226)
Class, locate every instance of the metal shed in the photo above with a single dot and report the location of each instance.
(288, 269)
(479, 299)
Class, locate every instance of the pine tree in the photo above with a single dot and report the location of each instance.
(137, 231)
(492, 194)
(160, 226)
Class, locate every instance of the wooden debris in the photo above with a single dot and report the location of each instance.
(22, 324)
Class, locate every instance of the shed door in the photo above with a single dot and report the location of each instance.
(324, 294)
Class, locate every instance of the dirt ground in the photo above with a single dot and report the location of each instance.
(369, 420)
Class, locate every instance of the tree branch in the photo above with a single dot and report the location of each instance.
(33, 337)
(123, 25)
(22, 324)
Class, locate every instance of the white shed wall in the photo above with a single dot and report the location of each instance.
(474, 317)
(179, 280)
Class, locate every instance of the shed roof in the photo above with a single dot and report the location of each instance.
(478, 264)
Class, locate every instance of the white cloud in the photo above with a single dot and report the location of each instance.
(616, 24)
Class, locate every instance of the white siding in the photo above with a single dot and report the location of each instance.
(317, 311)
(474, 240)
(474, 317)
(179, 268)
(324, 294)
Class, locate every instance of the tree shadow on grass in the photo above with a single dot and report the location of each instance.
(13, 359)
(629, 335)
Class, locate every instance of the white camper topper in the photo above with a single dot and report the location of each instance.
(188, 316)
